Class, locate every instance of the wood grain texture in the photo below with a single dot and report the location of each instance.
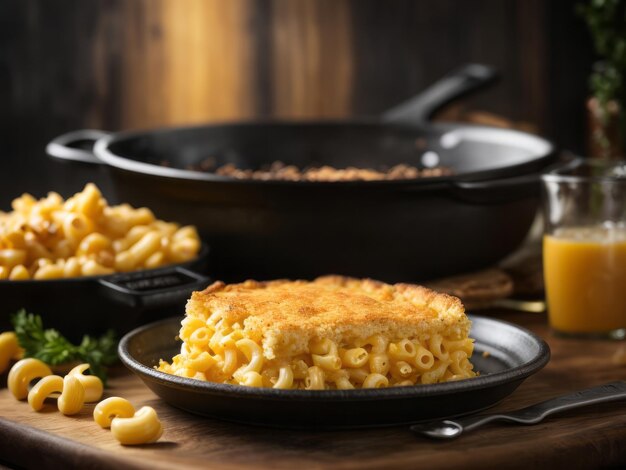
(402, 46)
(585, 438)
(179, 62)
(311, 58)
(126, 64)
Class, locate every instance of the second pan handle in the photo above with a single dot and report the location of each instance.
(461, 82)
(153, 288)
(76, 146)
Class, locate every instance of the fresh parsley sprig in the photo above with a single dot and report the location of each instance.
(52, 348)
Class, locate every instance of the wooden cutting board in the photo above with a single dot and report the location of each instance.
(585, 438)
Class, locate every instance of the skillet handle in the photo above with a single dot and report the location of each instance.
(499, 190)
(461, 82)
(153, 288)
(76, 146)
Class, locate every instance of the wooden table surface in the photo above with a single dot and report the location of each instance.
(584, 438)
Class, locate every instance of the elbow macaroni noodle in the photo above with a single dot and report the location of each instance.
(215, 351)
(76, 389)
(83, 236)
(72, 393)
(9, 349)
(112, 407)
(127, 426)
(73, 390)
(22, 373)
(92, 385)
(143, 428)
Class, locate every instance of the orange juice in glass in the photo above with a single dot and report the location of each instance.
(584, 248)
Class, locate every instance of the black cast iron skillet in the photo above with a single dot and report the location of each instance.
(94, 304)
(402, 230)
(513, 354)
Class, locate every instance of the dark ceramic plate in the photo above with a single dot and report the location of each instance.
(513, 354)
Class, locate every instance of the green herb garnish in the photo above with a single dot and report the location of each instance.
(52, 348)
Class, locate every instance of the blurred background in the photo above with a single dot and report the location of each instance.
(129, 64)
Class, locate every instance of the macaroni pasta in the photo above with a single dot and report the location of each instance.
(219, 348)
(9, 349)
(70, 392)
(127, 426)
(83, 236)
(344, 366)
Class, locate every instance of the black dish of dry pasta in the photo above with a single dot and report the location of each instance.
(87, 267)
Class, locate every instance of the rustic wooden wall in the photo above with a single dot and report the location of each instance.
(123, 64)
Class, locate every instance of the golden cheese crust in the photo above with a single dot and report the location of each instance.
(285, 315)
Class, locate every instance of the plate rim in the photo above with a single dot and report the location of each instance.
(517, 373)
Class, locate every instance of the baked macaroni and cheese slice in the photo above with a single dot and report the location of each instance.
(331, 333)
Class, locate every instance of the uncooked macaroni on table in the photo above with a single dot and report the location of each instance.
(9, 349)
(84, 236)
(73, 391)
(332, 333)
(128, 426)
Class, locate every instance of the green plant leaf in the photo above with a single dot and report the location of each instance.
(52, 348)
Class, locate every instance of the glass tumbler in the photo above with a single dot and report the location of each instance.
(584, 248)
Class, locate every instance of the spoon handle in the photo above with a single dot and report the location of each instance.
(449, 429)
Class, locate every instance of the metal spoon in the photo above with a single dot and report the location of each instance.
(450, 429)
